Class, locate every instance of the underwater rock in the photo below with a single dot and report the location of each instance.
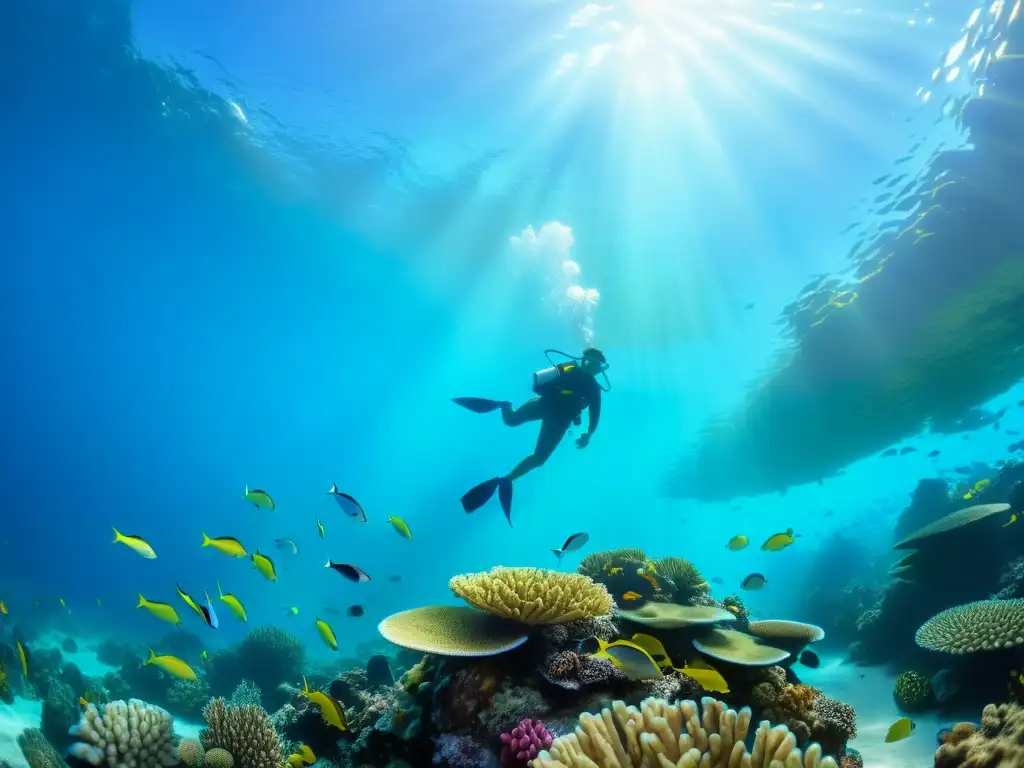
(116, 686)
(929, 501)
(72, 675)
(181, 643)
(68, 645)
(459, 750)
(113, 653)
(378, 671)
(268, 656)
(945, 685)
(60, 712)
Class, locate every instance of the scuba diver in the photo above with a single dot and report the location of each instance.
(563, 391)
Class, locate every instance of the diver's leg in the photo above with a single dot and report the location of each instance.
(531, 410)
(552, 430)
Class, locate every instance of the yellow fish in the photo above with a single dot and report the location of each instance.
(3, 608)
(83, 703)
(614, 571)
(330, 710)
(229, 546)
(136, 544)
(327, 634)
(778, 541)
(653, 647)
(709, 678)
(320, 528)
(631, 595)
(23, 658)
(261, 499)
(736, 543)
(303, 757)
(629, 658)
(968, 496)
(62, 603)
(172, 665)
(1011, 521)
(399, 525)
(204, 656)
(163, 611)
(264, 565)
(233, 603)
(292, 611)
(900, 730)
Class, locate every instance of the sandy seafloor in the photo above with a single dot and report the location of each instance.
(26, 713)
(867, 689)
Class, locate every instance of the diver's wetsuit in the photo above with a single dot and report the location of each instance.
(556, 408)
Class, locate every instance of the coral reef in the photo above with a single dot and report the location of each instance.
(686, 583)
(38, 752)
(533, 595)
(463, 751)
(378, 671)
(679, 733)
(68, 645)
(523, 743)
(510, 706)
(191, 753)
(596, 564)
(246, 733)
(268, 656)
(134, 734)
(219, 758)
(983, 625)
(739, 648)
(913, 692)
(60, 712)
(806, 711)
(246, 694)
(188, 697)
(999, 742)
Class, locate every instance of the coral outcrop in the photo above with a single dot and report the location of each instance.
(533, 595)
(913, 692)
(246, 733)
(999, 742)
(983, 625)
(125, 735)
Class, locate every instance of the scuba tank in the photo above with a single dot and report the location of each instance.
(546, 379)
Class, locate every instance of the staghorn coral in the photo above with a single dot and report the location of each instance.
(136, 735)
(681, 735)
(452, 630)
(983, 625)
(999, 743)
(38, 752)
(685, 578)
(219, 758)
(191, 753)
(533, 595)
(912, 691)
(245, 732)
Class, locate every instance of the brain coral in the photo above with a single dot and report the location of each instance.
(191, 753)
(681, 735)
(533, 595)
(913, 692)
(984, 625)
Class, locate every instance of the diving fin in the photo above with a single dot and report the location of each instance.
(479, 495)
(505, 498)
(480, 405)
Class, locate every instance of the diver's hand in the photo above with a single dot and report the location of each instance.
(583, 440)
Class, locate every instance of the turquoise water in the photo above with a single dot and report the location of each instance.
(256, 245)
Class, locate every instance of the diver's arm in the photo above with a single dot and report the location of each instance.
(594, 411)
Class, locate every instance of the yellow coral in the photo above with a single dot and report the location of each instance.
(534, 595)
(660, 734)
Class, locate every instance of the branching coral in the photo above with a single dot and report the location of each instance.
(132, 735)
(809, 714)
(596, 563)
(533, 595)
(1000, 742)
(684, 576)
(984, 625)
(245, 732)
(664, 734)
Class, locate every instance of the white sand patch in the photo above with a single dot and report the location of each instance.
(869, 691)
(84, 658)
(14, 719)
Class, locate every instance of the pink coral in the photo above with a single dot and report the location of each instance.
(524, 743)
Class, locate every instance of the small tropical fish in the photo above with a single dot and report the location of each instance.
(614, 571)
(229, 546)
(709, 678)
(3, 608)
(934, 453)
(136, 544)
(355, 611)
(320, 529)
(211, 615)
(778, 541)
(291, 611)
(23, 658)
(572, 544)
(98, 603)
(753, 582)
(205, 612)
(163, 611)
(83, 703)
(287, 545)
(264, 565)
(172, 665)
(204, 656)
(647, 573)
(908, 449)
(1011, 521)
(629, 658)
(327, 634)
(261, 499)
(350, 572)
(718, 580)
(395, 578)
(233, 603)
(654, 648)
(889, 452)
(810, 659)
(302, 758)
(330, 710)
(900, 730)
(400, 527)
(736, 543)
(348, 505)
(63, 603)
(631, 595)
